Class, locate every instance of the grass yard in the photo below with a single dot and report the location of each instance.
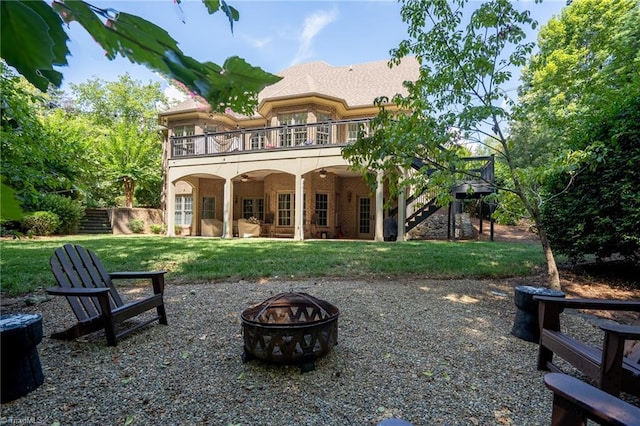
(24, 264)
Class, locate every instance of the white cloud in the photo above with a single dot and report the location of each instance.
(174, 95)
(313, 24)
(257, 43)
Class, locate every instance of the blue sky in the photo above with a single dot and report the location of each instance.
(270, 34)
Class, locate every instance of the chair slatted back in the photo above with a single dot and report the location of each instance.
(76, 267)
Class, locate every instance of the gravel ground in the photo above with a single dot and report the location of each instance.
(429, 352)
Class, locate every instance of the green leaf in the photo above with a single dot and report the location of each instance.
(235, 85)
(212, 6)
(42, 42)
(57, 33)
(83, 15)
(9, 206)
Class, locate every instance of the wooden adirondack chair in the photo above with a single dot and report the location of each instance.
(615, 365)
(88, 287)
(575, 401)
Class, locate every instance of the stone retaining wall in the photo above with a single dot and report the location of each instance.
(435, 228)
(120, 218)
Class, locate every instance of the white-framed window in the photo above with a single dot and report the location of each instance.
(258, 139)
(208, 207)
(285, 209)
(295, 135)
(253, 207)
(354, 129)
(184, 210)
(183, 142)
(322, 131)
(322, 209)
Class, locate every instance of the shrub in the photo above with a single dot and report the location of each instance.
(68, 211)
(157, 228)
(41, 223)
(11, 228)
(136, 226)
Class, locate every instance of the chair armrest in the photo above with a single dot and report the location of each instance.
(608, 305)
(136, 275)
(590, 402)
(67, 291)
(157, 278)
(625, 331)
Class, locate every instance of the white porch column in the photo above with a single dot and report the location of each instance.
(298, 233)
(171, 209)
(227, 210)
(402, 214)
(379, 235)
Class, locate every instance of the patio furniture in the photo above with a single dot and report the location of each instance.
(525, 323)
(21, 370)
(613, 366)
(575, 401)
(89, 289)
(211, 228)
(247, 228)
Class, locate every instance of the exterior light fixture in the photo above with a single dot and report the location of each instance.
(244, 178)
(323, 173)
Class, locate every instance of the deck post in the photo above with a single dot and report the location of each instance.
(379, 215)
(227, 209)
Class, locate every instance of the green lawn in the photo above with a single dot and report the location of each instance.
(25, 263)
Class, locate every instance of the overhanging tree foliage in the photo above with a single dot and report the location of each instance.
(40, 29)
(467, 57)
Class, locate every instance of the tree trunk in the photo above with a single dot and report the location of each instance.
(552, 268)
(129, 188)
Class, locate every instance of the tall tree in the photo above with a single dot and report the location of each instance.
(129, 147)
(582, 89)
(467, 58)
(36, 151)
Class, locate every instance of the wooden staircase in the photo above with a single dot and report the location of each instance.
(471, 188)
(96, 221)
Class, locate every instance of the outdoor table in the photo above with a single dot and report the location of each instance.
(526, 325)
(21, 371)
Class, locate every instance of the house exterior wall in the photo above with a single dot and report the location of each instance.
(235, 157)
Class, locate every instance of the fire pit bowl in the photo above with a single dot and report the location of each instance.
(290, 328)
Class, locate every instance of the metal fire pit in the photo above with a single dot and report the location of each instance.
(290, 328)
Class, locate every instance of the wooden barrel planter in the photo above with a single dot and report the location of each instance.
(21, 369)
(526, 325)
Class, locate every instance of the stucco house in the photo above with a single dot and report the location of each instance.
(280, 172)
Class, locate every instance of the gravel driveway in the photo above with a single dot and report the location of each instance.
(429, 352)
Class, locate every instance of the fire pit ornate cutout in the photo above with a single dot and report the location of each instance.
(290, 328)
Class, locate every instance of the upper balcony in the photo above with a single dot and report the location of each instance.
(285, 137)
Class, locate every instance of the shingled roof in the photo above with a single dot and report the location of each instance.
(356, 85)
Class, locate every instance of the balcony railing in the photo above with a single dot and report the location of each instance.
(265, 138)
